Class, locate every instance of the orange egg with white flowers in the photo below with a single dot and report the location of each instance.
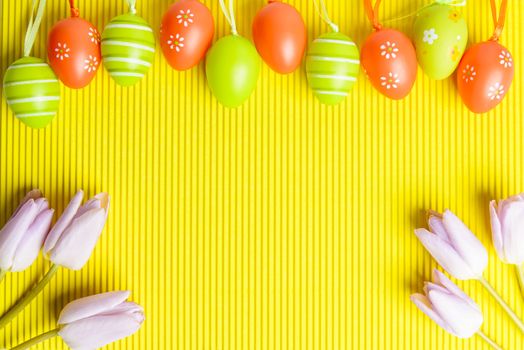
(390, 62)
(484, 76)
(73, 49)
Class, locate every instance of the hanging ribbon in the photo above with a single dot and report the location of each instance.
(74, 10)
(132, 6)
(324, 15)
(372, 13)
(230, 15)
(34, 24)
(499, 22)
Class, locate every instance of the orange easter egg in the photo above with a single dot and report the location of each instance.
(280, 36)
(186, 33)
(73, 50)
(484, 76)
(390, 62)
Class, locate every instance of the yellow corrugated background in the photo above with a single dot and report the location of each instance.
(283, 224)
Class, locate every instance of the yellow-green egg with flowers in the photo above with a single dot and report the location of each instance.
(332, 67)
(440, 35)
(32, 91)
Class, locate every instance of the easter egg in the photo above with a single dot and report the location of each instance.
(280, 36)
(186, 33)
(232, 69)
(390, 62)
(484, 76)
(32, 91)
(73, 50)
(128, 48)
(440, 35)
(332, 67)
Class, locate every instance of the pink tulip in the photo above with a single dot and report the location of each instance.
(74, 236)
(454, 246)
(97, 320)
(449, 306)
(507, 226)
(25, 232)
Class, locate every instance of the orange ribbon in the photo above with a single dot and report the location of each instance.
(74, 10)
(499, 22)
(372, 13)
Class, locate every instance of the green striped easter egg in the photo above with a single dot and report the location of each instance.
(332, 66)
(128, 48)
(32, 91)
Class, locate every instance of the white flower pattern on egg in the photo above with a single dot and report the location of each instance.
(185, 17)
(390, 81)
(505, 59)
(469, 73)
(62, 51)
(430, 36)
(389, 50)
(94, 35)
(496, 91)
(175, 42)
(90, 63)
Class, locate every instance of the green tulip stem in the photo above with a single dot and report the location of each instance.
(489, 340)
(520, 276)
(36, 340)
(26, 299)
(2, 274)
(502, 303)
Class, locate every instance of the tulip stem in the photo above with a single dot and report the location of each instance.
(489, 340)
(26, 299)
(520, 276)
(2, 274)
(36, 340)
(502, 303)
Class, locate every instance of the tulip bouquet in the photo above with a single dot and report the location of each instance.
(463, 256)
(86, 323)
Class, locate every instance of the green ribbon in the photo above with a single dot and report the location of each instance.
(132, 6)
(34, 24)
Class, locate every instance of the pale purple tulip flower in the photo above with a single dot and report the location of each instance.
(97, 320)
(23, 235)
(507, 226)
(454, 246)
(449, 306)
(73, 238)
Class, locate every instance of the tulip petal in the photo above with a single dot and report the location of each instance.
(437, 227)
(423, 303)
(92, 305)
(30, 245)
(13, 232)
(452, 288)
(63, 222)
(127, 307)
(463, 319)
(98, 331)
(513, 232)
(466, 243)
(496, 230)
(444, 254)
(33, 194)
(75, 245)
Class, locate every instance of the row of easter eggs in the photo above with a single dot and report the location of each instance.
(127, 47)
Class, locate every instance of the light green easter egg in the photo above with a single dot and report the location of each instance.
(332, 67)
(128, 48)
(32, 91)
(440, 35)
(232, 70)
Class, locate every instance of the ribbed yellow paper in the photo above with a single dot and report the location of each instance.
(279, 225)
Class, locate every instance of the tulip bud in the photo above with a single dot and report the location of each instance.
(507, 226)
(73, 238)
(454, 246)
(449, 306)
(25, 232)
(97, 320)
